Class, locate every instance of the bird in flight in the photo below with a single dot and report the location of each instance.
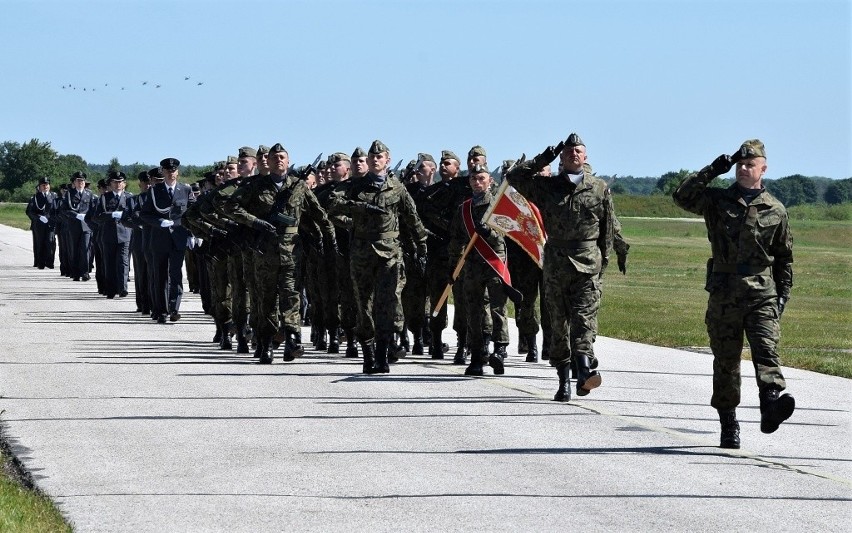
(144, 83)
(200, 83)
(185, 78)
(157, 87)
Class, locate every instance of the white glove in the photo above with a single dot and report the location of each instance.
(80, 216)
(116, 214)
(167, 223)
(43, 219)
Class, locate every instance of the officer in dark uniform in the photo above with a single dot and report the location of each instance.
(168, 202)
(74, 210)
(112, 212)
(41, 211)
(139, 243)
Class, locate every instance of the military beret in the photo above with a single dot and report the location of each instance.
(425, 157)
(574, 140)
(195, 187)
(277, 147)
(156, 173)
(102, 183)
(359, 152)
(79, 175)
(479, 169)
(63, 187)
(219, 165)
(262, 149)
(232, 160)
(448, 154)
(336, 157)
(321, 165)
(247, 151)
(43, 181)
(211, 176)
(378, 147)
(170, 162)
(144, 177)
(752, 148)
(476, 151)
(116, 175)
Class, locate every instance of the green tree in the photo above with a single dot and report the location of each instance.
(793, 190)
(114, 165)
(670, 181)
(22, 163)
(68, 164)
(839, 192)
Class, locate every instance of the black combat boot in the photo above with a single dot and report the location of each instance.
(461, 349)
(417, 347)
(495, 360)
(587, 379)
(217, 338)
(532, 349)
(400, 343)
(351, 347)
(730, 429)
(242, 341)
(292, 349)
(774, 408)
(563, 393)
(321, 344)
(265, 347)
(383, 345)
(225, 343)
(475, 366)
(333, 341)
(427, 335)
(369, 366)
(523, 344)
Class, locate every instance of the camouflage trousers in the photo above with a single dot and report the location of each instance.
(240, 301)
(378, 283)
(527, 278)
(323, 291)
(414, 297)
(275, 275)
(485, 304)
(346, 293)
(730, 317)
(251, 286)
(573, 299)
(220, 291)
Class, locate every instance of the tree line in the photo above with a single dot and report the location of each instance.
(21, 165)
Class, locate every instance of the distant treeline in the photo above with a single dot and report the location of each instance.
(21, 165)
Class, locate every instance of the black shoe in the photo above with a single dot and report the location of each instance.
(174, 316)
(461, 349)
(436, 349)
(730, 430)
(110, 296)
(242, 344)
(292, 349)
(417, 349)
(774, 409)
(161, 319)
(475, 366)
(532, 349)
(265, 349)
(563, 393)
(85, 277)
(334, 345)
(587, 379)
(76, 278)
(369, 365)
(523, 344)
(351, 350)
(217, 338)
(383, 348)
(500, 350)
(122, 294)
(226, 343)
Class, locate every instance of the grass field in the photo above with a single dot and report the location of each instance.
(22, 509)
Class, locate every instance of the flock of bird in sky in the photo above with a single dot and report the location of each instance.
(122, 88)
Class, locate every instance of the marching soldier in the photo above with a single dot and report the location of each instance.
(41, 211)
(749, 278)
(139, 243)
(74, 210)
(380, 209)
(578, 216)
(114, 235)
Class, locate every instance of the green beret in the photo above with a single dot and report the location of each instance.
(321, 165)
(574, 140)
(247, 151)
(476, 151)
(378, 147)
(232, 160)
(220, 165)
(210, 176)
(262, 149)
(448, 154)
(425, 157)
(277, 147)
(338, 156)
(479, 169)
(752, 148)
(359, 152)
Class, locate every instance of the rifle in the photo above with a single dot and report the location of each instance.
(392, 172)
(407, 176)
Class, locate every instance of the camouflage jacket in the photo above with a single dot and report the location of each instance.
(577, 219)
(259, 200)
(380, 232)
(438, 205)
(459, 236)
(751, 243)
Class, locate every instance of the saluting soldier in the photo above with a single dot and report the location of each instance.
(749, 278)
(112, 214)
(274, 205)
(577, 211)
(41, 210)
(74, 209)
(380, 209)
(169, 239)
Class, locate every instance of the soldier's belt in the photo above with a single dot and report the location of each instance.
(376, 236)
(287, 230)
(571, 243)
(741, 269)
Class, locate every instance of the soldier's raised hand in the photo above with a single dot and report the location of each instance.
(721, 164)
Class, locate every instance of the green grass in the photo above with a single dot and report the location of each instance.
(23, 510)
(14, 215)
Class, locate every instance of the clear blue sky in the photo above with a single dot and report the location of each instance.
(651, 86)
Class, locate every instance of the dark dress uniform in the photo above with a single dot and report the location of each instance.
(112, 212)
(41, 210)
(139, 246)
(75, 211)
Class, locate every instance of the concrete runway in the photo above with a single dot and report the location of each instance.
(129, 425)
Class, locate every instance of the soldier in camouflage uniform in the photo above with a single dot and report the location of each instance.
(749, 278)
(578, 216)
(439, 205)
(274, 205)
(484, 295)
(382, 213)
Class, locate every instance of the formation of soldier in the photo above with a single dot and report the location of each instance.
(362, 254)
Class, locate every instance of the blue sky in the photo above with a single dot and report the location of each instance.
(651, 86)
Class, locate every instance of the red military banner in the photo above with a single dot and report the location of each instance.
(519, 219)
